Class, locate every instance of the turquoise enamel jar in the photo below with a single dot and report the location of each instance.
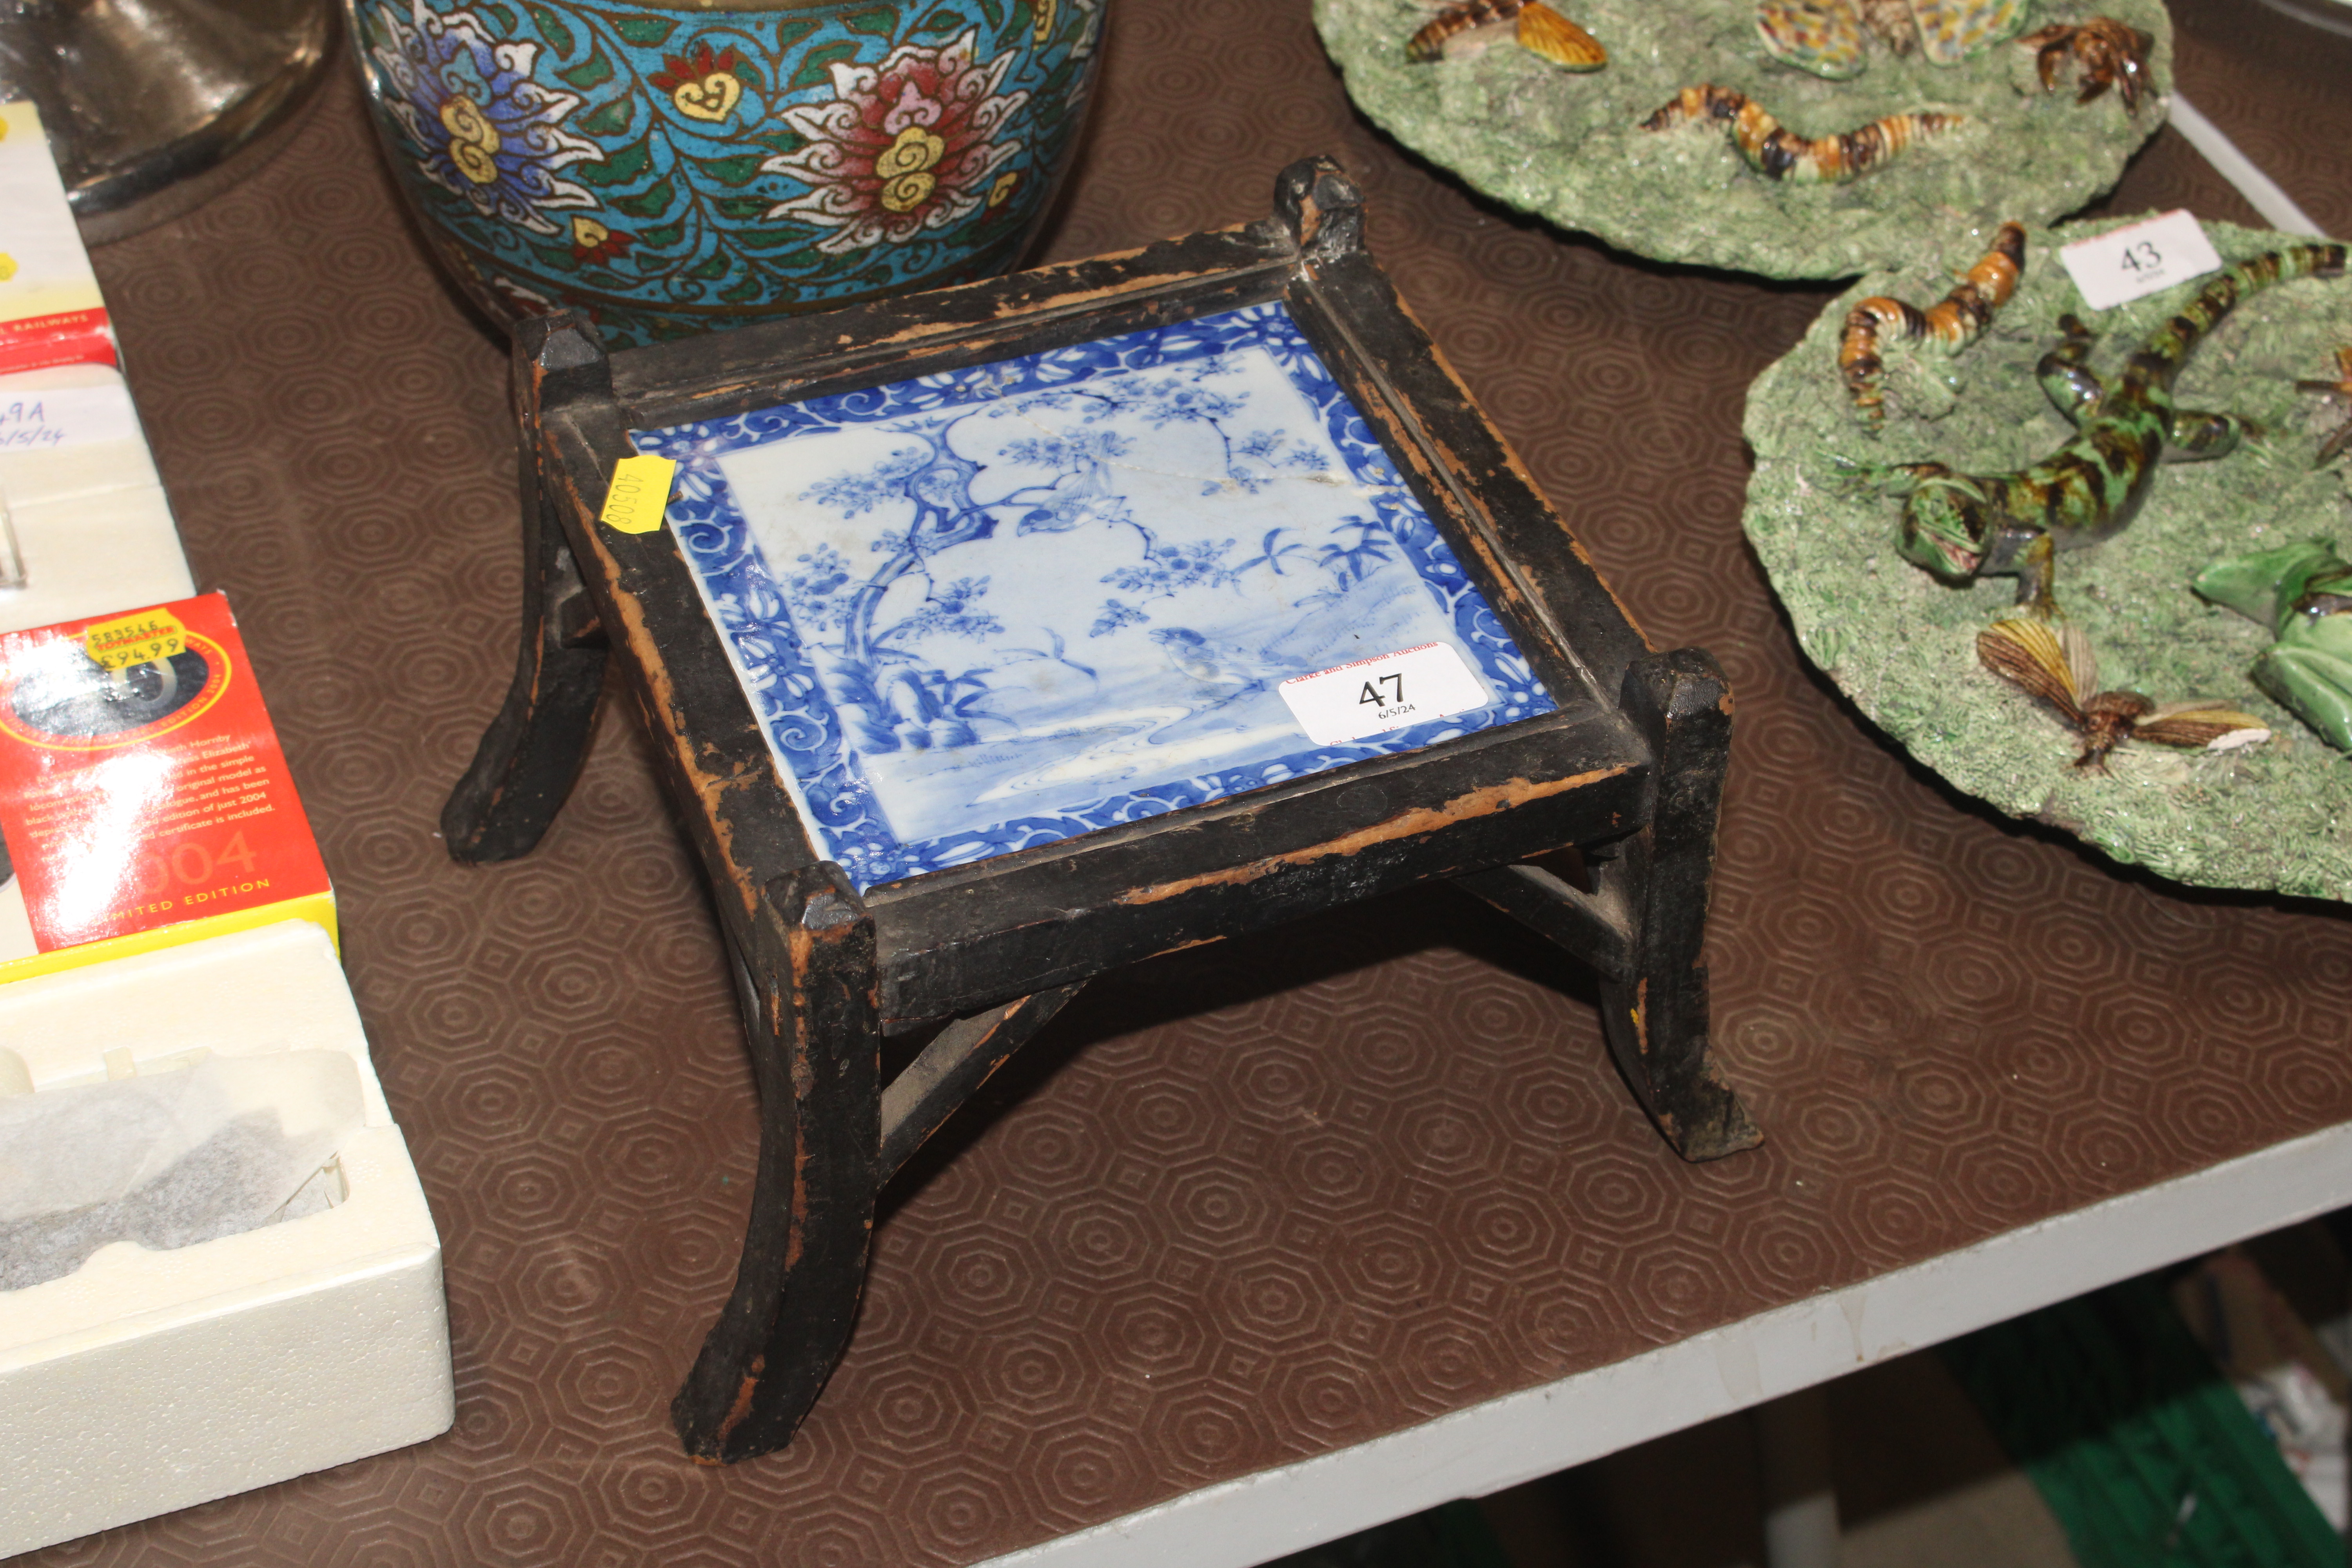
(674, 170)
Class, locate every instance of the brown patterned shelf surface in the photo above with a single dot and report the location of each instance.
(1244, 1205)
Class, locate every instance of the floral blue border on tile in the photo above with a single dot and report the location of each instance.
(848, 596)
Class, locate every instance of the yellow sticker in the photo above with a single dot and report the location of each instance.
(143, 639)
(639, 494)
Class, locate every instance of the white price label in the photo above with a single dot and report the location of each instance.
(2138, 259)
(1373, 696)
(65, 416)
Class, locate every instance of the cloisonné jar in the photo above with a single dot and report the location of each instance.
(683, 169)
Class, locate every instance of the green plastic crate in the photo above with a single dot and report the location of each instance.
(2141, 1448)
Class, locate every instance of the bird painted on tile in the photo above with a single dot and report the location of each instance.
(1217, 662)
(1082, 496)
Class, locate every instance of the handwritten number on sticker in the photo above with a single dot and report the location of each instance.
(2142, 257)
(1372, 690)
(639, 494)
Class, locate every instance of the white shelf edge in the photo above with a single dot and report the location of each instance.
(2262, 194)
(1540, 1430)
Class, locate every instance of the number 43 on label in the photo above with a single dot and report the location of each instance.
(2124, 263)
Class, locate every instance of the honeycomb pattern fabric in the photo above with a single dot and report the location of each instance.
(1245, 1203)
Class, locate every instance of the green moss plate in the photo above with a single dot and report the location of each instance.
(2277, 816)
(1570, 147)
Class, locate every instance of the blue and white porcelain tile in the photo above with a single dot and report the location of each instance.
(1000, 606)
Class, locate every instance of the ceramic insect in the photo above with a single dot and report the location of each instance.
(2340, 387)
(1465, 29)
(2302, 592)
(2105, 53)
(1827, 38)
(2056, 664)
(1961, 527)
(1960, 319)
(1891, 23)
(1780, 154)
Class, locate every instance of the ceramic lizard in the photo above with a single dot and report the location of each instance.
(1961, 527)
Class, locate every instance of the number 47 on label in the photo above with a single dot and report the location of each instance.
(1373, 696)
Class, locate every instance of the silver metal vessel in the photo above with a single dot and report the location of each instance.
(153, 105)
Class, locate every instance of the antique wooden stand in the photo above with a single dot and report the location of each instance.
(1629, 769)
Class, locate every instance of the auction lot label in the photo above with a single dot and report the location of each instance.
(1373, 696)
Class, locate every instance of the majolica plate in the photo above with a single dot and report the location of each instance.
(2275, 816)
(997, 607)
(1570, 146)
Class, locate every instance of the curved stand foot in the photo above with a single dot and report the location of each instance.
(1643, 927)
(815, 1037)
(830, 1135)
(533, 749)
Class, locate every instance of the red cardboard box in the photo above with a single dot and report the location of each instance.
(142, 793)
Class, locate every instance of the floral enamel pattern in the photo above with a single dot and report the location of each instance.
(703, 85)
(911, 145)
(487, 133)
(1000, 606)
(680, 171)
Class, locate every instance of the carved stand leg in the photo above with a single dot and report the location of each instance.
(1643, 927)
(817, 1045)
(533, 749)
(829, 1137)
